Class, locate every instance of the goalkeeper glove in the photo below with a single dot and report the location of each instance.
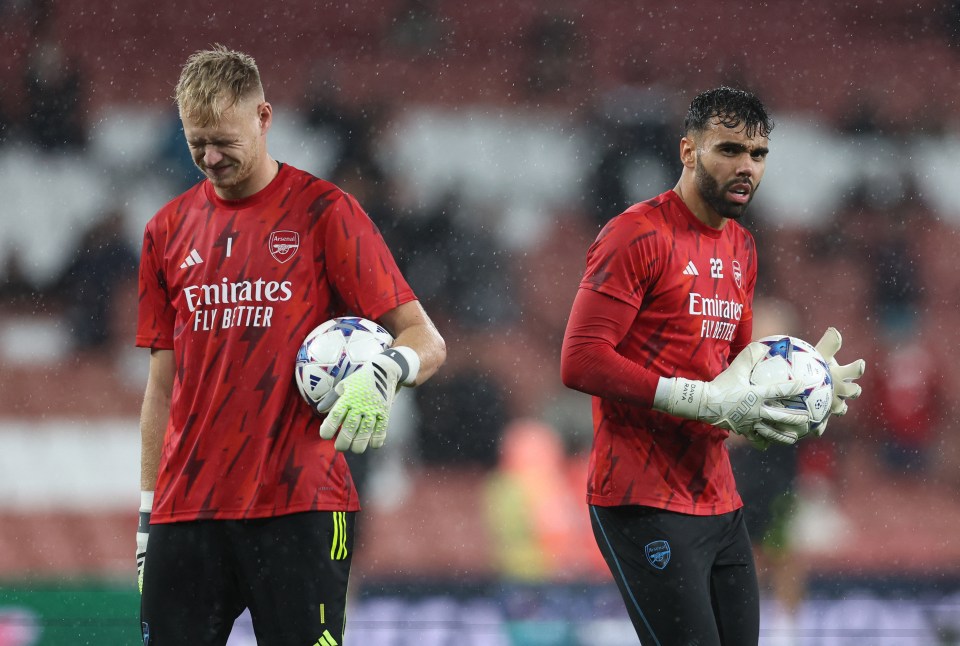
(765, 432)
(842, 376)
(363, 408)
(730, 401)
(143, 533)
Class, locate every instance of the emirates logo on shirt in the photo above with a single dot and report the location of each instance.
(283, 245)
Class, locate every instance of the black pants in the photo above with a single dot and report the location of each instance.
(686, 580)
(290, 571)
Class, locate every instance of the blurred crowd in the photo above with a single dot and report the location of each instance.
(881, 269)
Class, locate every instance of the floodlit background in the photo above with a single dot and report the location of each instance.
(490, 141)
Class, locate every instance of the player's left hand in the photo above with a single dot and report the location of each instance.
(767, 432)
(363, 408)
(843, 376)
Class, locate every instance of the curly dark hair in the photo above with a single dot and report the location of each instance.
(732, 107)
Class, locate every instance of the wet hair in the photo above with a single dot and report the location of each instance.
(210, 76)
(732, 107)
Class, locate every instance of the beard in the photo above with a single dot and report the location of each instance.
(715, 195)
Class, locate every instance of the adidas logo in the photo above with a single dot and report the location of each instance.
(691, 270)
(193, 259)
(326, 639)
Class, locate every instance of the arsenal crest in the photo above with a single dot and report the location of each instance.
(658, 554)
(284, 244)
(737, 274)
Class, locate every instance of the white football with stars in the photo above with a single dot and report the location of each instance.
(331, 352)
(793, 359)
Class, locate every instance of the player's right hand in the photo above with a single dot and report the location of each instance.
(731, 402)
(143, 533)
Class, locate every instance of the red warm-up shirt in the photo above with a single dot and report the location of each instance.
(233, 288)
(663, 295)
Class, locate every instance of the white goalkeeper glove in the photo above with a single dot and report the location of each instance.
(765, 432)
(843, 377)
(143, 533)
(730, 401)
(363, 408)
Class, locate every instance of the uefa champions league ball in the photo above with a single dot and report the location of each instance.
(791, 359)
(331, 352)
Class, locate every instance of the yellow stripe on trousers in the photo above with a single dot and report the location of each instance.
(338, 548)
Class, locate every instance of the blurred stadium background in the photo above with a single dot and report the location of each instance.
(490, 141)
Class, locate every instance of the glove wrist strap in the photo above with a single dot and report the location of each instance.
(408, 360)
(143, 527)
(679, 396)
(146, 506)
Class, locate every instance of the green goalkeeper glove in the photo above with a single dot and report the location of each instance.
(363, 408)
(842, 376)
(730, 401)
(143, 533)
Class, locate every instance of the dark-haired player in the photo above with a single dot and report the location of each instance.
(247, 502)
(660, 334)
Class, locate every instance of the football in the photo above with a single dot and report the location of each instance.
(331, 352)
(789, 359)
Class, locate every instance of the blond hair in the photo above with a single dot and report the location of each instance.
(214, 80)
